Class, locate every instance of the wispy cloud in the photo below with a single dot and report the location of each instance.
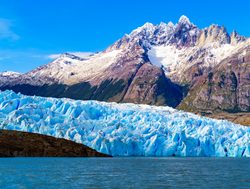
(27, 59)
(6, 31)
(80, 54)
(22, 60)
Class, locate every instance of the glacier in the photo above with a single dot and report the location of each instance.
(124, 129)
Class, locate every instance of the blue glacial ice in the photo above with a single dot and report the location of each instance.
(124, 129)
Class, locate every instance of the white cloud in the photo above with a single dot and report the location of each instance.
(54, 56)
(80, 54)
(6, 30)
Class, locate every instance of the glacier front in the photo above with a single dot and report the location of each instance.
(124, 129)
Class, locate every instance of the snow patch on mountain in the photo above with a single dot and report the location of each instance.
(184, 20)
(164, 56)
(176, 60)
(70, 69)
(124, 129)
(10, 74)
(83, 55)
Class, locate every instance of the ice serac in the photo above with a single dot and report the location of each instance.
(124, 129)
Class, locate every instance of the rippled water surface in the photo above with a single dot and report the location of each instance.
(124, 173)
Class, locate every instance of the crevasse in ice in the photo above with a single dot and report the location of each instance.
(124, 129)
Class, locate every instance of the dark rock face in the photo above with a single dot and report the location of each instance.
(183, 36)
(224, 88)
(79, 91)
(157, 90)
(21, 144)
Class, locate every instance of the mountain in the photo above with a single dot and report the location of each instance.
(124, 129)
(179, 65)
(225, 87)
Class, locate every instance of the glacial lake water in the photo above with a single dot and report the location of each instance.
(124, 173)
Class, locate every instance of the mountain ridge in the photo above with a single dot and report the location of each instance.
(162, 64)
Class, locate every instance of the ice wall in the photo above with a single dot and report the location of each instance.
(124, 129)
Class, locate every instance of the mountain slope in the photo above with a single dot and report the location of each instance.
(164, 64)
(129, 74)
(226, 87)
(24, 144)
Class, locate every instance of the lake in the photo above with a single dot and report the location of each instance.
(124, 173)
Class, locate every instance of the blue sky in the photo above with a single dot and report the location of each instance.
(31, 31)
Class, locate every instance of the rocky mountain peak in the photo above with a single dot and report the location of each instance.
(146, 30)
(164, 28)
(184, 33)
(9, 74)
(214, 34)
(164, 25)
(184, 20)
(236, 38)
(71, 56)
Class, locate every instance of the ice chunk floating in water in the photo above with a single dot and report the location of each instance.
(124, 129)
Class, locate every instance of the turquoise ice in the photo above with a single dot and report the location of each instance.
(124, 129)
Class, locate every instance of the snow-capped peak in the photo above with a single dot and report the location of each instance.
(70, 69)
(165, 26)
(71, 56)
(184, 33)
(147, 27)
(184, 20)
(10, 73)
(170, 24)
(162, 24)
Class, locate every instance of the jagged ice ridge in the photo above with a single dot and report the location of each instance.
(124, 129)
